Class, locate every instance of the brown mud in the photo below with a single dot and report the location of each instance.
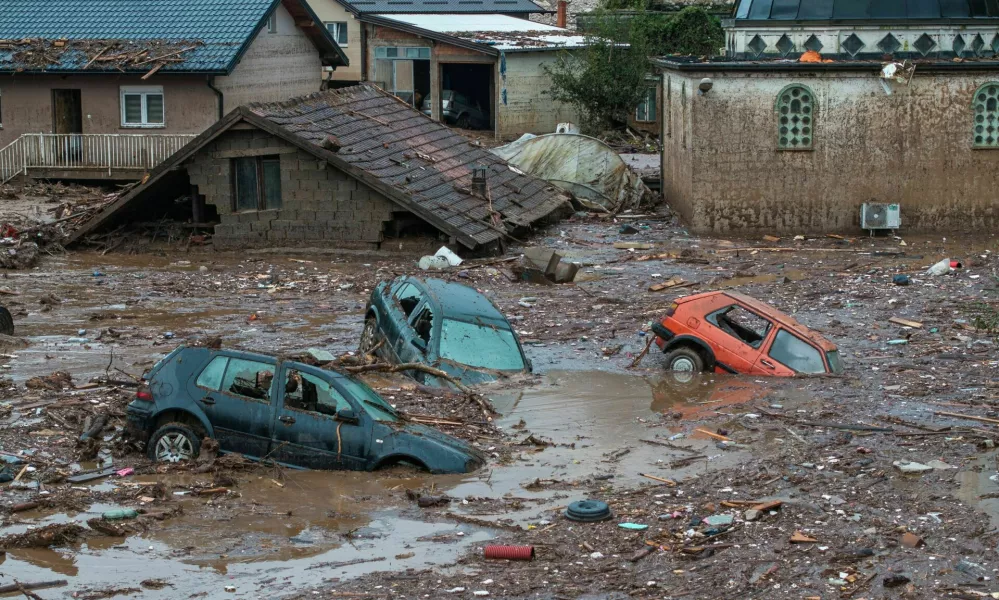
(584, 426)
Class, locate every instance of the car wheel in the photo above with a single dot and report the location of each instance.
(369, 336)
(6, 322)
(462, 122)
(174, 442)
(684, 362)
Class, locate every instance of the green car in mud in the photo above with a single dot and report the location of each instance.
(447, 326)
(295, 414)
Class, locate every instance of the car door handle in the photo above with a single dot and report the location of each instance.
(766, 363)
(208, 400)
(286, 419)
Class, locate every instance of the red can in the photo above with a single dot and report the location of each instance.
(510, 552)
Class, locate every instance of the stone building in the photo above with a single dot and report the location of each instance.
(346, 168)
(819, 106)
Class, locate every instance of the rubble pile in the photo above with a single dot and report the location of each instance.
(97, 54)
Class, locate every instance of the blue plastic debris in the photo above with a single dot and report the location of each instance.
(901, 280)
(632, 526)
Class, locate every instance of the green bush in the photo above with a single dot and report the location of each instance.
(607, 79)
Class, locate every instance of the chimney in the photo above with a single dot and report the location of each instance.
(479, 180)
(562, 13)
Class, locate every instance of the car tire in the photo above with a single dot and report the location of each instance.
(6, 322)
(174, 442)
(369, 336)
(462, 122)
(685, 360)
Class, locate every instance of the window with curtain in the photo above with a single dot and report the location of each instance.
(142, 106)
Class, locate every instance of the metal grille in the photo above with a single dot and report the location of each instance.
(795, 118)
(986, 115)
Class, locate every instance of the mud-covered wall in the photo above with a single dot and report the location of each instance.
(321, 205)
(523, 105)
(913, 147)
(277, 65)
(676, 158)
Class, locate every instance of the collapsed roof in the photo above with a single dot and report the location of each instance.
(416, 162)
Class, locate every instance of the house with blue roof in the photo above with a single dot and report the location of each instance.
(108, 88)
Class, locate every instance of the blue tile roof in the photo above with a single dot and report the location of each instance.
(219, 29)
(444, 6)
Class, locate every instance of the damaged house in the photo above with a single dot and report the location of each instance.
(477, 64)
(108, 88)
(821, 106)
(354, 167)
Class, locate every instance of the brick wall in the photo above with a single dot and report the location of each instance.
(321, 205)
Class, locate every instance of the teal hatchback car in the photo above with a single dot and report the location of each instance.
(444, 325)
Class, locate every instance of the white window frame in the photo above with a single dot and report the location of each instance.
(144, 91)
(649, 103)
(336, 36)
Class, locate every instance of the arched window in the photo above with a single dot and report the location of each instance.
(795, 118)
(985, 107)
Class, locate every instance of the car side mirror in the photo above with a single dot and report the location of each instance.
(420, 344)
(347, 415)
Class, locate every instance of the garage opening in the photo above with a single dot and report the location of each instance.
(468, 91)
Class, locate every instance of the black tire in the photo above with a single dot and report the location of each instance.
(6, 322)
(462, 122)
(685, 359)
(369, 336)
(184, 439)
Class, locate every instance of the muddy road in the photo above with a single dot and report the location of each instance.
(584, 426)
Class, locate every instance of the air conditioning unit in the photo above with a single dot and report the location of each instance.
(879, 215)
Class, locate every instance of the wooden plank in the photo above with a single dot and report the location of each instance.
(905, 322)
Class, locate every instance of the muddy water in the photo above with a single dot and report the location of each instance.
(254, 544)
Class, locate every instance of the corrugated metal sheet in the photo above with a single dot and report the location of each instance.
(445, 6)
(585, 166)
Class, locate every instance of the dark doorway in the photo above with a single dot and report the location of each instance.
(67, 111)
(470, 92)
(67, 117)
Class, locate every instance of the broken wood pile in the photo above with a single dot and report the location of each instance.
(102, 55)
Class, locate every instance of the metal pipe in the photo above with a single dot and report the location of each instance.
(218, 92)
(510, 552)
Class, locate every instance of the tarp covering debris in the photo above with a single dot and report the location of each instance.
(588, 168)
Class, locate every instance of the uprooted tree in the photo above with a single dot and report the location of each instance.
(607, 78)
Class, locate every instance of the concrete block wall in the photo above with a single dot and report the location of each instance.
(320, 205)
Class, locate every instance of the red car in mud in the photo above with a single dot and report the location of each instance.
(726, 332)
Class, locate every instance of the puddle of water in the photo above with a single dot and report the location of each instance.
(979, 481)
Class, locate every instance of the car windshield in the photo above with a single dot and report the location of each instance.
(796, 353)
(372, 402)
(835, 364)
(482, 346)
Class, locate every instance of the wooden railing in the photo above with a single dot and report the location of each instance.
(88, 151)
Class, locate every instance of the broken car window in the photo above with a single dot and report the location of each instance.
(480, 346)
(424, 324)
(308, 392)
(370, 401)
(797, 354)
(248, 378)
(408, 296)
(742, 324)
(211, 377)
